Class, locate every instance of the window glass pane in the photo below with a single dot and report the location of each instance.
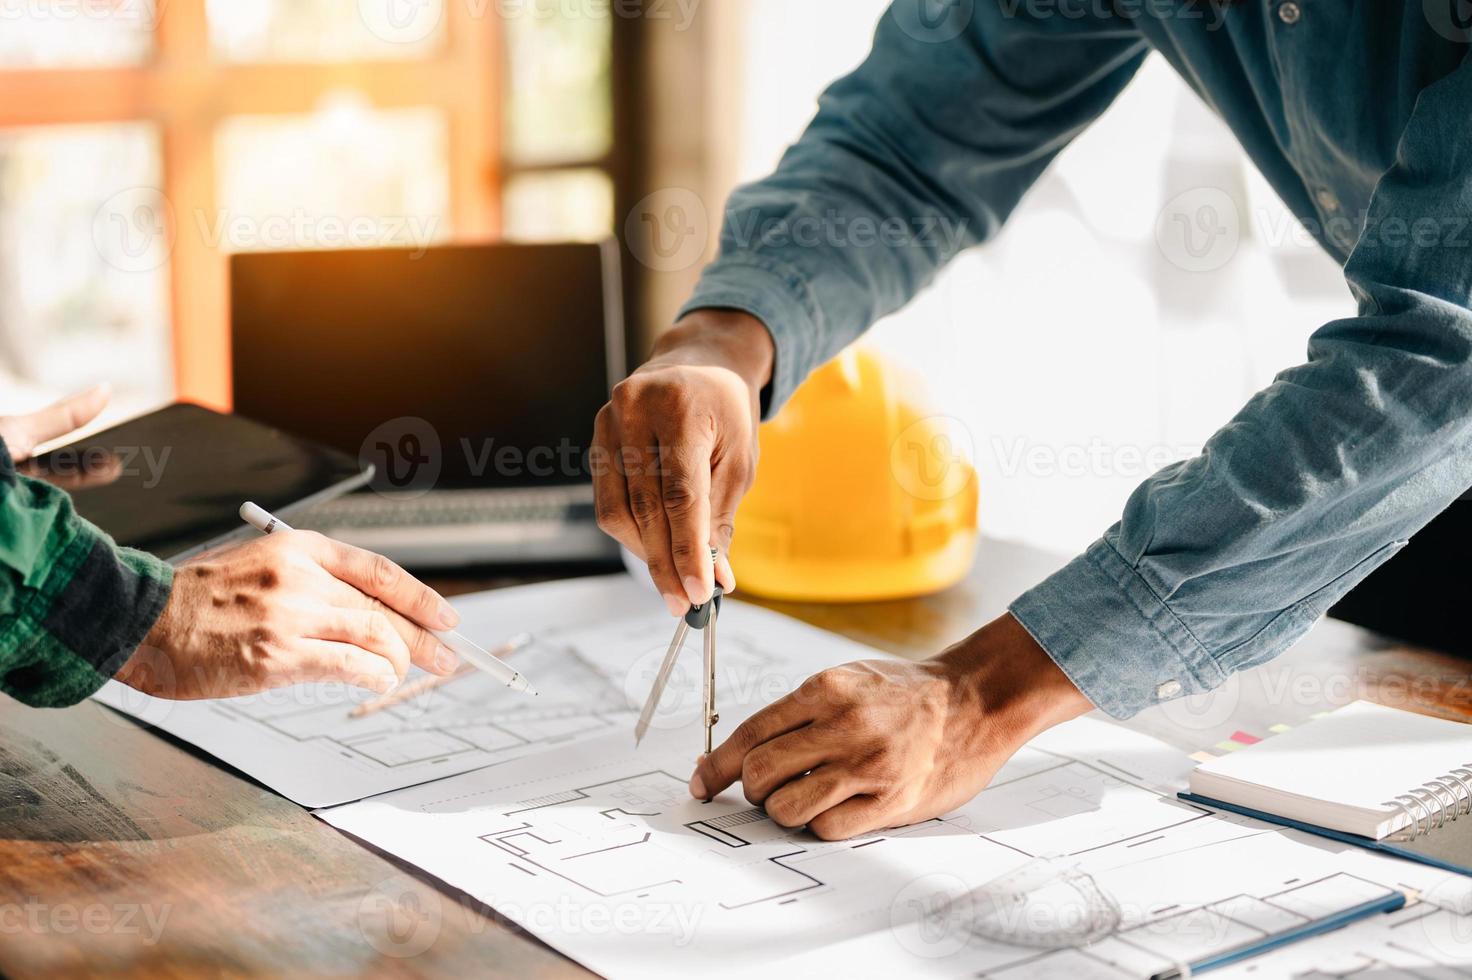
(324, 30)
(85, 239)
(347, 176)
(560, 106)
(571, 205)
(59, 34)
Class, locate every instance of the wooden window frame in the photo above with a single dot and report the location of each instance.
(185, 93)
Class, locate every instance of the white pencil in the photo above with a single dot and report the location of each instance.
(467, 649)
(413, 689)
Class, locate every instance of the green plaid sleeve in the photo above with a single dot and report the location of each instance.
(73, 605)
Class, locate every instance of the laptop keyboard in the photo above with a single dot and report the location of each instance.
(452, 507)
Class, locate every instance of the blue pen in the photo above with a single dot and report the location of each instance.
(1256, 947)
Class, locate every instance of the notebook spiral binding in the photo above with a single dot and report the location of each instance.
(1434, 804)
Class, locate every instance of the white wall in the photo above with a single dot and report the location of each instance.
(1074, 353)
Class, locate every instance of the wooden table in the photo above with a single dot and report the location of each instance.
(122, 850)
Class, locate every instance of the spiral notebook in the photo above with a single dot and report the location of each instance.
(1365, 774)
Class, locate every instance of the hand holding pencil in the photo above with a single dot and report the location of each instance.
(468, 650)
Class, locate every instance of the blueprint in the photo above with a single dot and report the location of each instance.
(302, 742)
(545, 810)
(597, 645)
(600, 851)
(1422, 942)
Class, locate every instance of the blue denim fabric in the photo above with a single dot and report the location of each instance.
(1359, 112)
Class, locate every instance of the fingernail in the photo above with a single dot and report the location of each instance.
(678, 606)
(445, 660)
(387, 684)
(697, 787)
(696, 590)
(726, 574)
(449, 618)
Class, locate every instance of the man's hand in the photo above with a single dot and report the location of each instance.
(888, 743)
(23, 433)
(675, 451)
(290, 608)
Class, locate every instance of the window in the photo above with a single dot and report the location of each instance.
(559, 126)
(143, 141)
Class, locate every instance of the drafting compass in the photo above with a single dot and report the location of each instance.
(702, 617)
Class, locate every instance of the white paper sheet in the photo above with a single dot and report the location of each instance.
(598, 644)
(300, 741)
(545, 811)
(600, 851)
(1420, 942)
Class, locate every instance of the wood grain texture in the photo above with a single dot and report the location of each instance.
(124, 852)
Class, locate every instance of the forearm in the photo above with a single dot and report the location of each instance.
(73, 606)
(1222, 561)
(1009, 686)
(725, 338)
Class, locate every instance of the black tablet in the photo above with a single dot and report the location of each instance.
(171, 483)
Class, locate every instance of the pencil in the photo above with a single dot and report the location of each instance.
(415, 688)
(1265, 944)
(267, 523)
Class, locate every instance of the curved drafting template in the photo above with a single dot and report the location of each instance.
(1021, 907)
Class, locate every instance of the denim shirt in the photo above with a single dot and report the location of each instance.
(1359, 113)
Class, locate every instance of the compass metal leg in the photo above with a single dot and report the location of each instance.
(661, 681)
(710, 682)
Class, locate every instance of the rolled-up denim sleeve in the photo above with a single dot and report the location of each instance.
(923, 151)
(1222, 561)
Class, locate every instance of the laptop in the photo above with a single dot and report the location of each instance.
(467, 376)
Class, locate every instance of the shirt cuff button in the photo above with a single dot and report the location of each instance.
(1168, 690)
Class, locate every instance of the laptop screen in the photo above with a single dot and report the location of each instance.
(458, 367)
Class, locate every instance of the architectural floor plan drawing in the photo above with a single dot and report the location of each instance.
(1078, 860)
(1422, 942)
(597, 645)
(758, 661)
(303, 743)
(600, 851)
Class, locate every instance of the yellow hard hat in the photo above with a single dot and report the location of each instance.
(860, 494)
